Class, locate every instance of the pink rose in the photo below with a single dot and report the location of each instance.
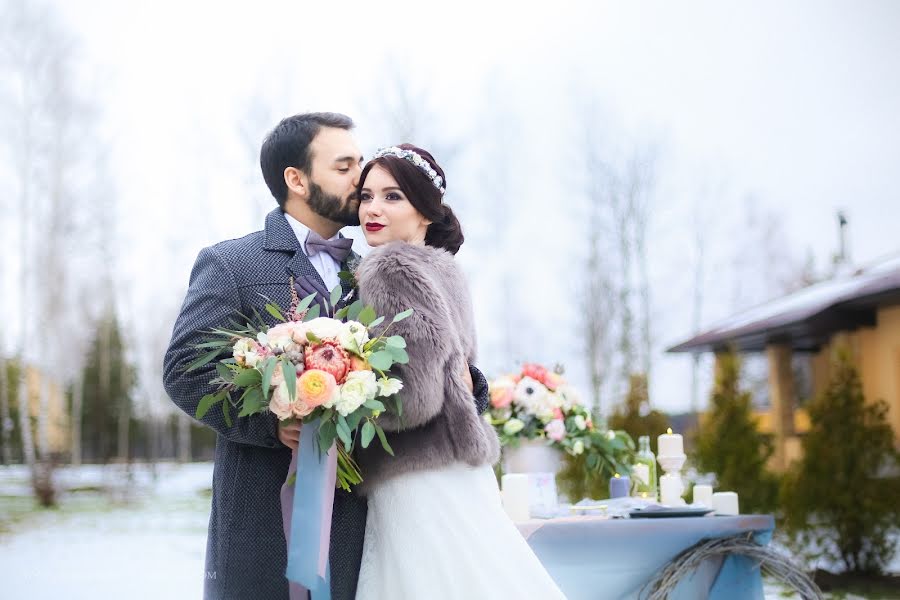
(557, 413)
(280, 404)
(286, 336)
(555, 430)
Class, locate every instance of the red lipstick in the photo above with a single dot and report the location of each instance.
(374, 226)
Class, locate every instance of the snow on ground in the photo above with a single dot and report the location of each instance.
(101, 545)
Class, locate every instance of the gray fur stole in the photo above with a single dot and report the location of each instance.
(439, 425)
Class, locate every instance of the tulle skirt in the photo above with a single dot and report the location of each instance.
(443, 535)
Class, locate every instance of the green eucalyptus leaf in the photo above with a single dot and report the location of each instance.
(368, 432)
(375, 405)
(288, 369)
(395, 341)
(304, 304)
(398, 355)
(313, 313)
(381, 360)
(384, 442)
(366, 316)
(336, 295)
(403, 315)
(268, 370)
(354, 309)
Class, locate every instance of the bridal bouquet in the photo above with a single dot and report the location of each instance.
(309, 367)
(538, 403)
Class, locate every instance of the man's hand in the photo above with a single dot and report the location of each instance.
(290, 434)
(467, 377)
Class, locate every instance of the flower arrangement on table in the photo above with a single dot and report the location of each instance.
(538, 404)
(311, 368)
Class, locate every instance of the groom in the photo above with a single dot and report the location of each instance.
(311, 164)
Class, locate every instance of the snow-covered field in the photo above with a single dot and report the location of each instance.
(104, 544)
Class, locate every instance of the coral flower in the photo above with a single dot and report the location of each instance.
(330, 357)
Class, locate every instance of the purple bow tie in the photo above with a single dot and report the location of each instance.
(339, 249)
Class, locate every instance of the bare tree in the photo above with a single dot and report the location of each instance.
(598, 301)
(641, 172)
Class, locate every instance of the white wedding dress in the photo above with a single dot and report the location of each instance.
(443, 535)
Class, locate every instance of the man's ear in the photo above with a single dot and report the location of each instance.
(297, 181)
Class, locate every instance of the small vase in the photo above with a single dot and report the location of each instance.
(532, 456)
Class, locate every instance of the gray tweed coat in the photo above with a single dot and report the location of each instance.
(439, 424)
(245, 553)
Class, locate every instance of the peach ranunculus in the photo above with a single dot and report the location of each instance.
(359, 364)
(502, 392)
(315, 387)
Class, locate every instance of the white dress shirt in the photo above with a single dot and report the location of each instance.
(325, 264)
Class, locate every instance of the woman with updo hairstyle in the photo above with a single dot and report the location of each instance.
(435, 526)
(444, 231)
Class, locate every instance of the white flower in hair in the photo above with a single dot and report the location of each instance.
(416, 159)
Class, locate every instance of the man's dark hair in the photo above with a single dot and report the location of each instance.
(287, 145)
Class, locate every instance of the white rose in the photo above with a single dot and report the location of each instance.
(251, 359)
(513, 426)
(577, 447)
(356, 389)
(487, 418)
(353, 335)
(580, 423)
(242, 347)
(324, 328)
(280, 404)
(389, 387)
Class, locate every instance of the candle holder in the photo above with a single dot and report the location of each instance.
(671, 486)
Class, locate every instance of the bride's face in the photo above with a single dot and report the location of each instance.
(386, 214)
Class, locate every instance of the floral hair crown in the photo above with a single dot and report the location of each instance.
(417, 160)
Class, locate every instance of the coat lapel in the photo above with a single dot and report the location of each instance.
(280, 236)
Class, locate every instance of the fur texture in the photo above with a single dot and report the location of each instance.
(440, 424)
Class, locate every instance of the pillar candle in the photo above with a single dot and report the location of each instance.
(670, 490)
(725, 503)
(619, 486)
(670, 444)
(703, 494)
(515, 496)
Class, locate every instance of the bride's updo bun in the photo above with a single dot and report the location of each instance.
(445, 230)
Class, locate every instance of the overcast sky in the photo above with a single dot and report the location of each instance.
(791, 104)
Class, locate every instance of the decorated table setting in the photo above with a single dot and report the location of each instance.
(644, 541)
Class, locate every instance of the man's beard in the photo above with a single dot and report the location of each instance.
(332, 207)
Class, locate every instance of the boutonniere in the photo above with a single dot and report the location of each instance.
(348, 276)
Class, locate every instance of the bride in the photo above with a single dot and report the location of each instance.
(436, 528)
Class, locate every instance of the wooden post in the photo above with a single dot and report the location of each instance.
(781, 398)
